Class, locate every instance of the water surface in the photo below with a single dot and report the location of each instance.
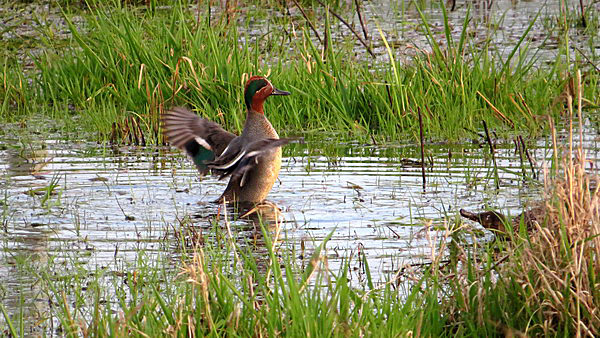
(111, 203)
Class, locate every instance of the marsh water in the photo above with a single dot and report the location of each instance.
(79, 204)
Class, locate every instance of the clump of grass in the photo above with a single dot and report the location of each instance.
(563, 260)
(15, 90)
(125, 66)
(224, 288)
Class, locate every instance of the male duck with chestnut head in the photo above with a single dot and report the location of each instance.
(252, 160)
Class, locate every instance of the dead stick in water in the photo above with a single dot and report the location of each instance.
(583, 23)
(554, 145)
(531, 162)
(519, 149)
(349, 27)
(360, 18)
(387, 88)
(310, 24)
(422, 148)
(493, 153)
(326, 37)
(453, 7)
(590, 62)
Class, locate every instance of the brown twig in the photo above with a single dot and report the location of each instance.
(582, 13)
(360, 18)
(389, 94)
(493, 153)
(310, 24)
(422, 148)
(364, 43)
(209, 12)
(227, 11)
(555, 152)
(531, 161)
(519, 149)
(453, 7)
(586, 58)
(327, 33)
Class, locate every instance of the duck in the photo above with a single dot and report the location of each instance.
(251, 160)
(496, 221)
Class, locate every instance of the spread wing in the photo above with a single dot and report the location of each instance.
(238, 165)
(201, 139)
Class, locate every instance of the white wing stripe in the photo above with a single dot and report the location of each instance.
(243, 179)
(226, 148)
(203, 142)
(234, 161)
(254, 153)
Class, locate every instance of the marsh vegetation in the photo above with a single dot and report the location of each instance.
(107, 231)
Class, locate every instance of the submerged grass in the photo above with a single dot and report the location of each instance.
(125, 66)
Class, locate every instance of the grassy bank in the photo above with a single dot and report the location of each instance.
(122, 67)
(223, 288)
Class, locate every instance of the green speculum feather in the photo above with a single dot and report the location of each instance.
(252, 88)
(202, 157)
(199, 155)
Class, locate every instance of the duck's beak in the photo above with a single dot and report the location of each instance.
(279, 92)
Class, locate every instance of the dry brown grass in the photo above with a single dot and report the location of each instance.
(547, 282)
(560, 265)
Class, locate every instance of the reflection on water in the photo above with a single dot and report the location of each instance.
(27, 161)
(110, 203)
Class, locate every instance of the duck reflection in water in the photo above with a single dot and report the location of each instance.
(28, 161)
(247, 218)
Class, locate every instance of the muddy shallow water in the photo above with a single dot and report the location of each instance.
(110, 203)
